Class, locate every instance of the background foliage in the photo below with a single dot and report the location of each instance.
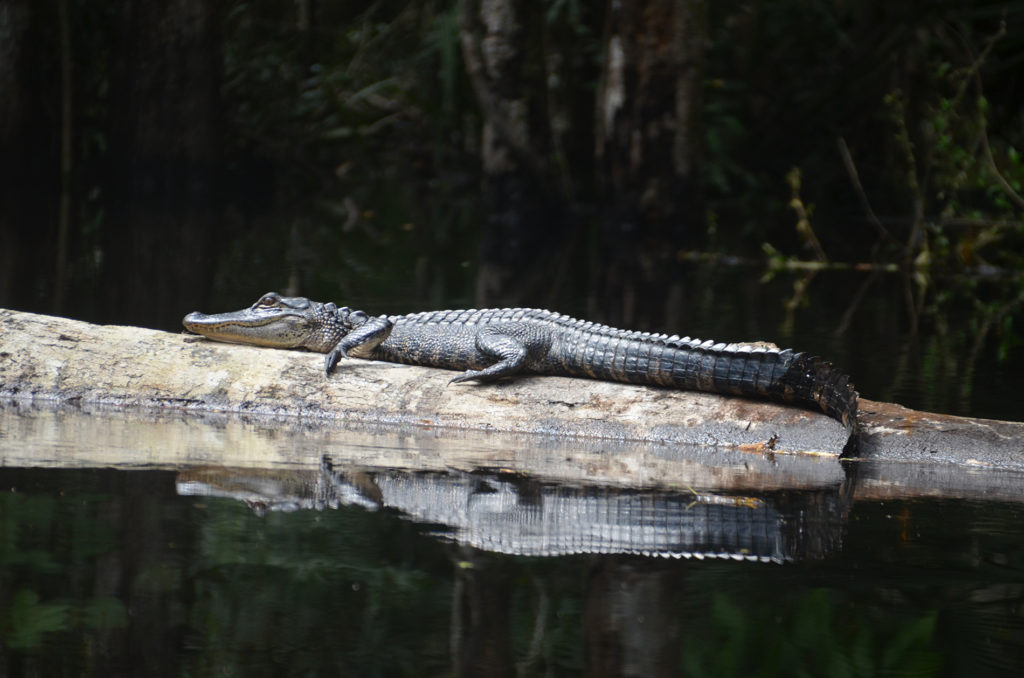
(352, 135)
(881, 138)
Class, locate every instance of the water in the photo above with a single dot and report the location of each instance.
(160, 544)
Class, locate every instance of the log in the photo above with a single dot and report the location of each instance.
(52, 359)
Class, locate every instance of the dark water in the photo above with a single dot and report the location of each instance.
(106, 572)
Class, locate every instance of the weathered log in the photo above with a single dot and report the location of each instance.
(44, 357)
(59, 360)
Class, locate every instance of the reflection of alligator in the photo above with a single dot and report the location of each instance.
(511, 515)
(493, 343)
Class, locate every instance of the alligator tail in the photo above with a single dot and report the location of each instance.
(782, 376)
(752, 370)
(814, 382)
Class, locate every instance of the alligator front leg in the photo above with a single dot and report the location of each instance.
(509, 352)
(361, 341)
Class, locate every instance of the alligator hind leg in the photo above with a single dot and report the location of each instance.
(509, 352)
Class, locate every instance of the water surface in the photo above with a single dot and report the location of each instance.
(116, 562)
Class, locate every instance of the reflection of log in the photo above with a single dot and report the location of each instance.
(64, 360)
(277, 459)
(91, 436)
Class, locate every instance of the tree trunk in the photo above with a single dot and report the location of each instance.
(67, 164)
(164, 160)
(29, 167)
(647, 150)
(520, 221)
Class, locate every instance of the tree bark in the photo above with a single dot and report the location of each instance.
(520, 221)
(647, 149)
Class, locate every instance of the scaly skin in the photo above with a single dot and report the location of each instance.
(493, 343)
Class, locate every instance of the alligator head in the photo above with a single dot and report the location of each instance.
(278, 322)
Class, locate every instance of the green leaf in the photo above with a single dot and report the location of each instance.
(29, 619)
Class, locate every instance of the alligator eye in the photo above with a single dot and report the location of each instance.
(269, 299)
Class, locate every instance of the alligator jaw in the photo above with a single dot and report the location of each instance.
(275, 325)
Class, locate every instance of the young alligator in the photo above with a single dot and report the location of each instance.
(493, 343)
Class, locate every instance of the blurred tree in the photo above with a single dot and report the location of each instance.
(648, 146)
(521, 218)
(162, 236)
(402, 153)
(28, 152)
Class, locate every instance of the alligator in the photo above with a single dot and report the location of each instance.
(488, 344)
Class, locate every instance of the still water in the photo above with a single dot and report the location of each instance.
(172, 546)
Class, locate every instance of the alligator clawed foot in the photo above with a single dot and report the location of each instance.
(333, 358)
(468, 375)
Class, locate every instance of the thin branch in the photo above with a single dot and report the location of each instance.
(803, 224)
(975, 72)
(851, 169)
(1000, 179)
(847, 319)
(906, 145)
(991, 320)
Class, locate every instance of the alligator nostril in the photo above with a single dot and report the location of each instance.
(192, 319)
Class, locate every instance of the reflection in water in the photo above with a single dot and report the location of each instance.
(108, 572)
(630, 622)
(148, 572)
(513, 515)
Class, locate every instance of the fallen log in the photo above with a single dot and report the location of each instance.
(55, 359)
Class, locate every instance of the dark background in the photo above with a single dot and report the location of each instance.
(840, 175)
